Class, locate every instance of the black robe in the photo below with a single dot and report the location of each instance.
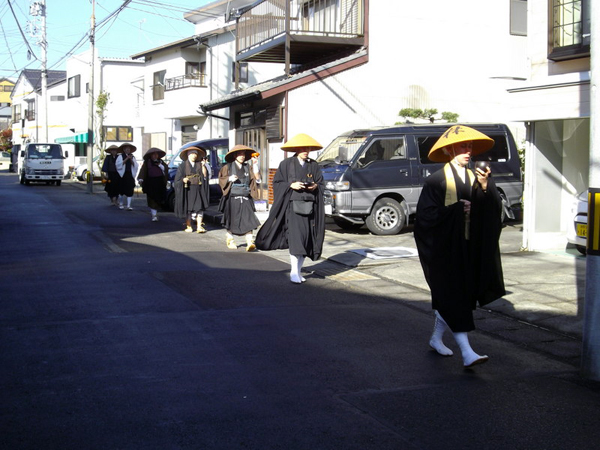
(460, 272)
(303, 235)
(113, 183)
(194, 198)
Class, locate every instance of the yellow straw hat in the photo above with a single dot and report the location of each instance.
(301, 141)
(231, 154)
(456, 134)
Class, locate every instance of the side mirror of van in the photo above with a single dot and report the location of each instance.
(66, 154)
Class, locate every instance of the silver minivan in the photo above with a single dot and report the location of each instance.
(375, 176)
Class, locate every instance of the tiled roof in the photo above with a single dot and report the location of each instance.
(34, 77)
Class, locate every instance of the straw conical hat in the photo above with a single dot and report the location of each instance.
(122, 148)
(456, 134)
(161, 153)
(230, 156)
(185, 153)
(301, 141)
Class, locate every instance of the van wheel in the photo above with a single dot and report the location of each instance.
(58, 182)
(387, 217)
(22, 179)
(346, 224)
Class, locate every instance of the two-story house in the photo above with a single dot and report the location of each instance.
(348, 64)
(183, 74)
(554, 104)
(28, 107)
(112, 76)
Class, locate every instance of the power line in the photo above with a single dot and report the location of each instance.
(22, 34)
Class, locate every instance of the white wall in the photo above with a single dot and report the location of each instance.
(421, 55)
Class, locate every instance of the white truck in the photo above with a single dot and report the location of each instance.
(42, 163)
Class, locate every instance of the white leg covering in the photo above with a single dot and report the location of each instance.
(153, 212)
(300, 263)
(436, 342)
(129, 202)
(294, 275)
(470, 358)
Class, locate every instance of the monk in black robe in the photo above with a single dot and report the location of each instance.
(297, 217)
(112, 184)
(457, 230)
(191, 184)
(239, 185)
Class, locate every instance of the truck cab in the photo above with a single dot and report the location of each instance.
(41, 162)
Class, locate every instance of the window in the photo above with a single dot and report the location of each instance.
(74, 86)
(243, 72)
(57, 98)
(7, 88)
(30, 113)
(16, 113)
(122, 134)
(386, 149)
(518, 17)
(158, 85)
(570, 29)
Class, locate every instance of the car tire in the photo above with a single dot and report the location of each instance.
(58, 182)
(581, 249)
(22, 178)
(85, 176)
(346, 224)
(387, 217)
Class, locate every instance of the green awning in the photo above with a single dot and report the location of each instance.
(75, 139)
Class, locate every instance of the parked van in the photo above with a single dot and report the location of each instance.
(216, 149)
(375, 176)
(42, 163)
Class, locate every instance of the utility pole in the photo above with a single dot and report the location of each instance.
(37, 8)
(90, 133)
(590, 360)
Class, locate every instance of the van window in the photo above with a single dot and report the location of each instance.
(342, 148)
(384, 149)
(499, 152)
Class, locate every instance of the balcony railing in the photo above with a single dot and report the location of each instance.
(268, 20)
(184, 81)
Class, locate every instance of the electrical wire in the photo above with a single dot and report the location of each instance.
(22, 34)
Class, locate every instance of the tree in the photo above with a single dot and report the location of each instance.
(101, 107)
(426, 114)
(6, 139)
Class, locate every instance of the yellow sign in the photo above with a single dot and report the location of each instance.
(593, 231)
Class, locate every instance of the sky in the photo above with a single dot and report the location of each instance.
(141, 25)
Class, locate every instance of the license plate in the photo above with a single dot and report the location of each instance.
(328, 210)
(582, 230)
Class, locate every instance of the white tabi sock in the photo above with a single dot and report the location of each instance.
(294, 275)
(470, 358)
(436, 342)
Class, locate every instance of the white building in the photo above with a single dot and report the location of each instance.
(356, 64)
(554, 104)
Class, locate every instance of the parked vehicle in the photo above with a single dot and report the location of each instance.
(82, 173)
(42, 163)
(216, 149)
(578, 234)
(375, 176)
(5, 160)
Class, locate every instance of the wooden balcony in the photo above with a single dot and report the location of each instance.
(316, 30)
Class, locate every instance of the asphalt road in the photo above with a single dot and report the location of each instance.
(120, 333)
